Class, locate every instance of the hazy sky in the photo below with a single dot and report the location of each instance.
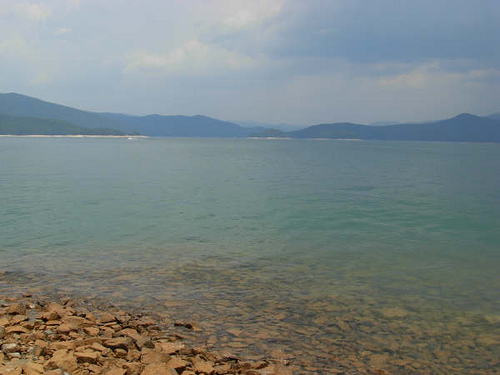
(304, 62)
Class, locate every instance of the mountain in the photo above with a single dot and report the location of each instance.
(22, 114)
(495, 116)
(180, 126)
(11, 125)
(462, 128)
(13, 104)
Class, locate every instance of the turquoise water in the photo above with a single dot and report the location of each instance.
(311, 231)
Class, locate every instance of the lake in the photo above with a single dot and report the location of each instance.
(342, 254)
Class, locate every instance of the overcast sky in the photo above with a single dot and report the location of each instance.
(281, 61)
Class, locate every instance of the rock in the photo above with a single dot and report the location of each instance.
(66, 328)
(158, 369)
(140, 340)
(16, 329)
(50, 315)
(189, 325)
(177, 363)
(63, 359)
(9, 370)
(91, 331)
(170, 347)
(11, 348)
(119, 342)
(18, 319)
(17, 309)
(107, 318)
(203, 366)
(87, 356)
(486, 340)
(378, 360)
(67, 345)
(32, 368)
(115, 371)
(4, 321)
(152, 356)
(394, 313)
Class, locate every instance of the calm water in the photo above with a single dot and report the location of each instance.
(379, 243)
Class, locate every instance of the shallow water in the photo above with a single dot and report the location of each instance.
(346, 255)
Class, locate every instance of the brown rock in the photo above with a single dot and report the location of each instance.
(98, 347)
(4, 321)
(140, 340)
(10, 370)
(77, 321)
(16, 329)
(87, 356)
(177, 363)
(378, 360)
(17, 309)
(91, 331)
(32, 368)
(50, 315)
(119, 342)
(66, 345)
(189, 325)
(170, 347)
(66, 328)
(2, 332)
(115, 371)
(61, 311)
(153, 356)
(394, 313)
(107, 318)
(11, 348)
(158, 369)
(18, 319)
(63, 359)
(200, 365)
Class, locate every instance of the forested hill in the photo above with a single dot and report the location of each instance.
(13, 104)
(12, 125)
(462, 128)
(180, 126)
(22, 113)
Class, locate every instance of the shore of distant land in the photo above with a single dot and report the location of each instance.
(67, 336)
(74, 136)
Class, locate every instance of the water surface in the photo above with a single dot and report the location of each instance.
(334, 251)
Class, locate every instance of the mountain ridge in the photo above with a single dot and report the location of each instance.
(464, 127)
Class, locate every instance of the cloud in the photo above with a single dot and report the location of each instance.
(62, 30)
(242, 14)
(32, 11)
(193, 57)
(432, 74)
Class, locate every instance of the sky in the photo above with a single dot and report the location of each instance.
(276, 61)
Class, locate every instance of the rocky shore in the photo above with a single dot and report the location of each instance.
(63, 337)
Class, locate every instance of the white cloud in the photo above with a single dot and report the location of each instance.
(420, 77)
(63, 30)
(33, 11)
(193, 56)
(243, 14)
(433, 74)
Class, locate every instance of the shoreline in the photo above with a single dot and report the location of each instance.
(74, 136)
(44, 335)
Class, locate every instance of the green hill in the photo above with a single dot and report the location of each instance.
(10, 125)
(18, 105)
(462, 128)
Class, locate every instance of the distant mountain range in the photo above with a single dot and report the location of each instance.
(20, 114)
(16, 125)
